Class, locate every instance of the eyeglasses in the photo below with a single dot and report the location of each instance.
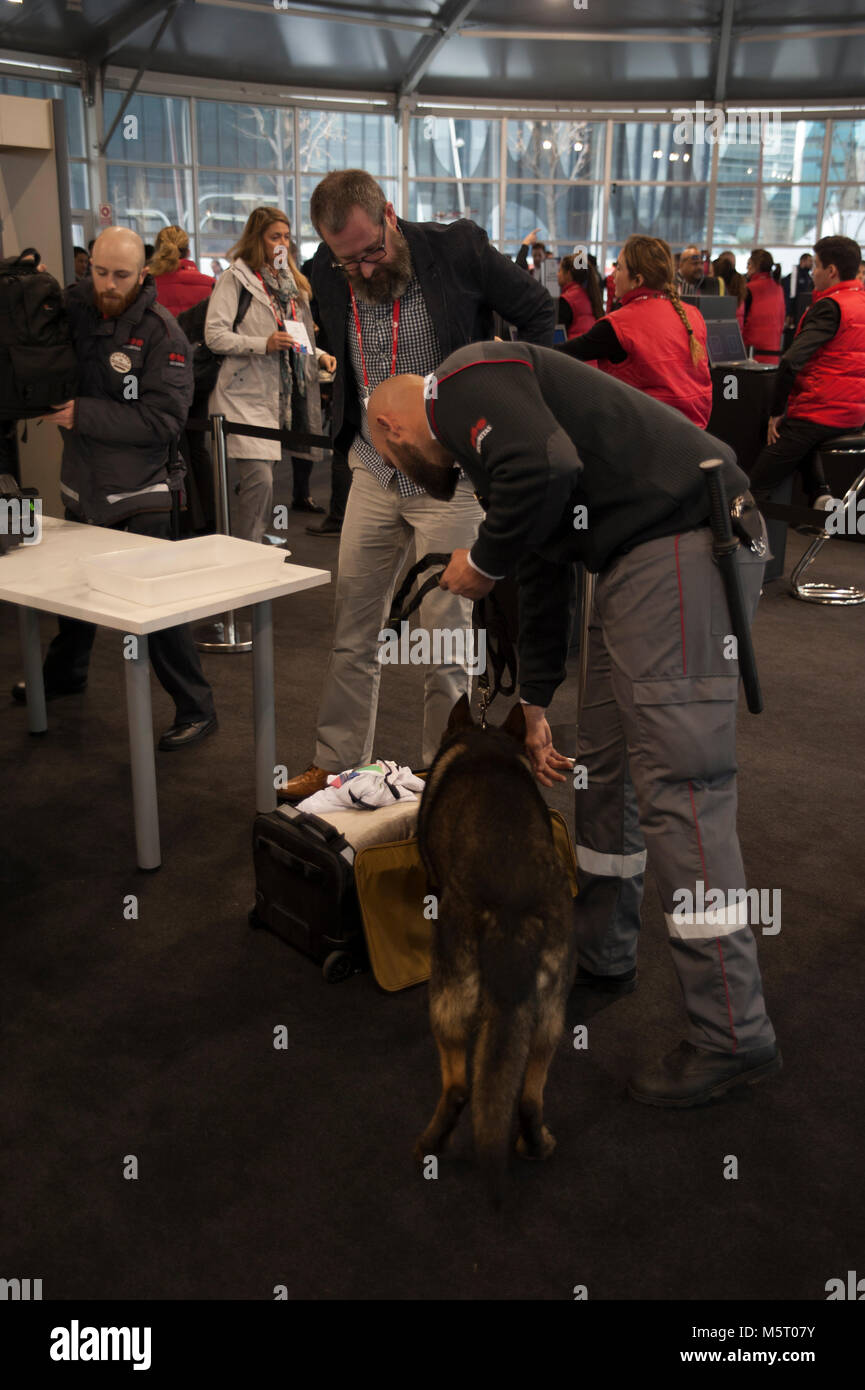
(371, 257)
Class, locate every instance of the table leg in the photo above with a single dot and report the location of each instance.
(31, 654)
(141, 756)
(263, 705)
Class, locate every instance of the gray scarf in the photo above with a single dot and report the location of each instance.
(292, 363)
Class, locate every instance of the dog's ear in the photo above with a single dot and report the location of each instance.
(460, 716)
(515, 724)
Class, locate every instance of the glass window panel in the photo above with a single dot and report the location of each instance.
(442, 147)
(795, 155)
(79, 192)
(235, 136)
(738, 161)
(555, 150)
(226, 200)
(649, 150)
(154, 130)
(678, 215)
(444, 201)
(308, 234)
(347, 140)
(562, 212)
(148, 199)
(847, 151)
(735, 217)
(73, 105)
(844, 213)
(788, 214)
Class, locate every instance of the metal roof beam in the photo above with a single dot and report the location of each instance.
(109, 37)
(143, 66)
(334, 14)
(724, 46)
(447, 22)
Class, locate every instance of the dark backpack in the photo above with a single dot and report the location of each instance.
(205, 362)
(38, 365)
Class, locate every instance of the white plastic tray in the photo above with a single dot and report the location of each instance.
(192, 568)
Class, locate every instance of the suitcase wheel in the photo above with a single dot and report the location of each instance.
(338, 966)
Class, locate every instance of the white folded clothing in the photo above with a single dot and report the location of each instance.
(365, 788)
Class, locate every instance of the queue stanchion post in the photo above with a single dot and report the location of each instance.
(226, 634)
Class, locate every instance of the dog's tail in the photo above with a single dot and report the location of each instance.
(508, 965)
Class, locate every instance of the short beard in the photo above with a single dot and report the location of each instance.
(437, 479)
(387, 282)
(113, 308)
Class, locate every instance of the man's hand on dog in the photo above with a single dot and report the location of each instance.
(539, 746)
(460, 578)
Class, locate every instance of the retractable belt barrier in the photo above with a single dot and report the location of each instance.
(292, 439)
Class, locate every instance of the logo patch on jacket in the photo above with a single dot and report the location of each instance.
(480, 430)
(120, 362)
(135, 343)
(176, 359)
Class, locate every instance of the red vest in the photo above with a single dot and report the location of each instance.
(830, 388)
(582, 318)
(179, 289)
(764, 321)
(659, 355)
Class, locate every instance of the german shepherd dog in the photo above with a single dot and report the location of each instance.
(503, 951)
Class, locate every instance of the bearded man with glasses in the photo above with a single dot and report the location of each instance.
(390, 297)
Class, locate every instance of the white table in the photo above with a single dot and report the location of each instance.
(49, 578)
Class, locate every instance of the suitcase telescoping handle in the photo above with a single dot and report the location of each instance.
(325, 832)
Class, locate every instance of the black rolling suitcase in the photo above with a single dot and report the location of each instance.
(304, 889)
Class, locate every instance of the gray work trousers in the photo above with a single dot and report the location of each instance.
(381, 531)
(657, 738)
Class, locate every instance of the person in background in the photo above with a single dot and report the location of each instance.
(149, 250)
(393, 297)
(653, 341)
(691, 278)
(731, 282)
(799, 281)
(179, 284)
(543, 267)
(269, 375)
(860, 273)
(610, 288)
(116, 469)
(580, 298)
(820, 385)
(82, 263)
(765, 309)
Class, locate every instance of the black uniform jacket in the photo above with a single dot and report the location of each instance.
(135, 387)
(569, 464)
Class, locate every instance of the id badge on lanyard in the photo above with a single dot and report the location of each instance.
(395, 339)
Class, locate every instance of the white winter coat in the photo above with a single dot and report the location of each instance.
(247, 389)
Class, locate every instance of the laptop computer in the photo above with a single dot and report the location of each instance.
(726, 349)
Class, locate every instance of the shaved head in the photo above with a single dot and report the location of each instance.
(400, 432)
(117, 269)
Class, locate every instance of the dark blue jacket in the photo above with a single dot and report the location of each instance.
(135, 388)
(464, 281)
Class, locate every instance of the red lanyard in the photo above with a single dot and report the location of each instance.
(396, 305)
(279, 323)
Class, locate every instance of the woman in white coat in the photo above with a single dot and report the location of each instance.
(268, 377)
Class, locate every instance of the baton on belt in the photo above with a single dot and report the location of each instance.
(724, 548)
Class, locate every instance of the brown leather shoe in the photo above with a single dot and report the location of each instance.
(314, 779)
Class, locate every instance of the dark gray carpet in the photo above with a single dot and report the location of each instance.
(153, 1037)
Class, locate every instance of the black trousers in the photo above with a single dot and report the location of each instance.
(794, 452)
(340, 482)
(173, 653)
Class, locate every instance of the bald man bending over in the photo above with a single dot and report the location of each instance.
(135, 387)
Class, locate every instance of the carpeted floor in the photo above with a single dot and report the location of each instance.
(257, 1167)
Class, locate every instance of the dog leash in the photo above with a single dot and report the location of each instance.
(487, 614)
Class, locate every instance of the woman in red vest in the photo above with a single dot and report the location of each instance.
(765, 309)
(580, 299)
(653, 341)
(179, 284)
